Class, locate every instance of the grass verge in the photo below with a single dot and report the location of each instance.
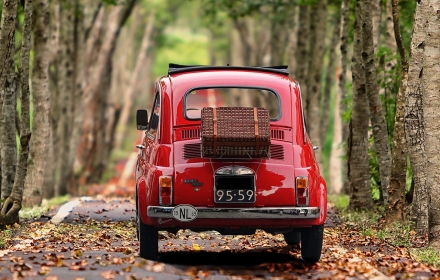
(398, 234)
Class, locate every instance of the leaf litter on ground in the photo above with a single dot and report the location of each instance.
(112, 248)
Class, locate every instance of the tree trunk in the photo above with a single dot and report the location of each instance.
(414, 120)
(245, 36)
(376, 17)
(302, 52)
(79, 80)
(66, 89)
(93, 114)
(390, 37)
(281, 23)
(345, 11)
(357, 148)
(54, 35)
(54, 30)
(431, 81)
(7, 91)
(337, 149)
(396, 190)
(330, 77)
(140, 63)
(293, 43)
(318, 22)
(39, 144)
(377, 115)
(122, 73)
(12, 205)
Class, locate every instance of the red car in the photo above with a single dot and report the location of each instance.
(179, 186)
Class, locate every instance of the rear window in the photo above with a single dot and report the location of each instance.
(196, 99)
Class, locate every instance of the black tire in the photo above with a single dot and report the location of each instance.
(292, 238)
(311, 243)
(148, 241)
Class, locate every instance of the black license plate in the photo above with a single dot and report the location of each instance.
(234, 196)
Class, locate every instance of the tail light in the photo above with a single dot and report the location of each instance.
(302, 191)
(165, 190)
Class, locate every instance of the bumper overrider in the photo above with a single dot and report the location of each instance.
(241, 213)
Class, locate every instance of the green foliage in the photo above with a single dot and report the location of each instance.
(426, 255)
(374, 170)
(389, 82)
(5, 237)
(235, 9)
(397, 234)
(110, 2)
(366, 221)
(340, 201)
(181, 47)
(406, 19)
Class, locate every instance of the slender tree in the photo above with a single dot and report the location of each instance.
(54, 35)
(303, 51)
(330, 76)
(39, 145)
(377, 115)
(79, 76)
(7, 93)
(357, 147)
(396, 190)
(431, 114)
(376, 17)
(90, 167)
(66, 86)
(318, 23)
(414, 118)
(342, 90)
(13, 203)
(140, 62)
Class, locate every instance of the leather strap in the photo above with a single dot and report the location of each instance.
(215, 130)
(257, 137)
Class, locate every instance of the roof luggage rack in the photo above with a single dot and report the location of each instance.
(177, 68)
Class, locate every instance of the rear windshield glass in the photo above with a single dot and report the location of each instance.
(196, 99)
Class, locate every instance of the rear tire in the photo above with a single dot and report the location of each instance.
(311, 243)
(292, 238)
(148, 241)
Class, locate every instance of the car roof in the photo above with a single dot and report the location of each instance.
(177, 68)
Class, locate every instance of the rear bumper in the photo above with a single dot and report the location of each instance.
(241, 213)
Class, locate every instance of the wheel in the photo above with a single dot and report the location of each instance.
(311, 243)
(148, 241)
(292, 238)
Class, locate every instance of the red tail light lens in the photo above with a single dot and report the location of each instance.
(302, 191)
(165, 190)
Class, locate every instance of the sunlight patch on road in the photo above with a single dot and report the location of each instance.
(65, 210)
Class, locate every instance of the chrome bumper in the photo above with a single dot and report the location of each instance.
(241, 213)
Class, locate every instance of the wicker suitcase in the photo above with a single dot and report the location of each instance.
(235, 132)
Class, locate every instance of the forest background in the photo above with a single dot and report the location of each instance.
(93, 63)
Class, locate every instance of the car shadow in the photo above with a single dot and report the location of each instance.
(251, 257)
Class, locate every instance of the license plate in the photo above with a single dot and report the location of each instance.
(234, 196)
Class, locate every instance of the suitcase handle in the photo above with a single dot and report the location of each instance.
(215, 131)
(257, 137)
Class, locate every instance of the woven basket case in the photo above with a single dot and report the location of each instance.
(235, 131)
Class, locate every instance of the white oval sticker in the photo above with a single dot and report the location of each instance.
(184, 213)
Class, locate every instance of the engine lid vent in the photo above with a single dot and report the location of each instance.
(277, 134)
(192, 150)
(277, 152)
(190, 133)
